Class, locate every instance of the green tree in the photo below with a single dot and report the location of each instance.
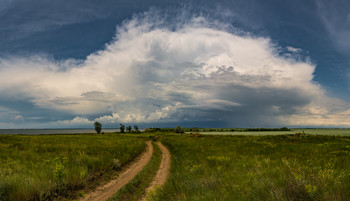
(98, 127)
(122, 128)
(128, 128)
(136, 128)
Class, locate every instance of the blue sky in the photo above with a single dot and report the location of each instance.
(238, 63)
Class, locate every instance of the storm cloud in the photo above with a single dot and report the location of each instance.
(193, 71)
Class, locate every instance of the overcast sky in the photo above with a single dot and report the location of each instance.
(225, 63)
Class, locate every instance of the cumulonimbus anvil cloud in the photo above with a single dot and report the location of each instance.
(194, 73)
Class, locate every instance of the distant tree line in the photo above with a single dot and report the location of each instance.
(98, 128)
(234, 129)
(129, 129)
(179, 129)
(267, 129)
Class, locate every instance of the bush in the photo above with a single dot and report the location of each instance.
(179, 129)
(284, 129)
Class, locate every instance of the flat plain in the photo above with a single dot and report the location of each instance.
(278, 167)
(237, 166)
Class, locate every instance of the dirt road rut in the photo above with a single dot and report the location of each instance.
(163, 170)
(107, 191)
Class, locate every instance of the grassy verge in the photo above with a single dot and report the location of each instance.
(135, 189)
(288, 167)
(43, 167)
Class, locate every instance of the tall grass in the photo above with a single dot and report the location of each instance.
(289, 167)
(46, 166)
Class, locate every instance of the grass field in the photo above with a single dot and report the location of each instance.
(204, 167)
(287, 167)
(338, 132)
(42, 167)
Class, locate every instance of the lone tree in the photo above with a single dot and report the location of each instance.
(122, 128)
(98, 127)
(128, 128)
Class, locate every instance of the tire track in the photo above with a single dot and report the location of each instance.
(162, 173)
(105, 192)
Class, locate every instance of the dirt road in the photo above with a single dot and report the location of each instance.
(107, 191)
(163, 170)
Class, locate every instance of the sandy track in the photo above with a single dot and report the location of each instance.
(107, 191)
(163, 170)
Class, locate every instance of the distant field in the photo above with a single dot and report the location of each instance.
(42, 167)
(285, 167)
(340, 132)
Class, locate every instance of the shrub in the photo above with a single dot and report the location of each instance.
(179, 129)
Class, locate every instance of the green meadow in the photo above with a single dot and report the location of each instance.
(44, 167)
(293, 166)
(282, 167)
